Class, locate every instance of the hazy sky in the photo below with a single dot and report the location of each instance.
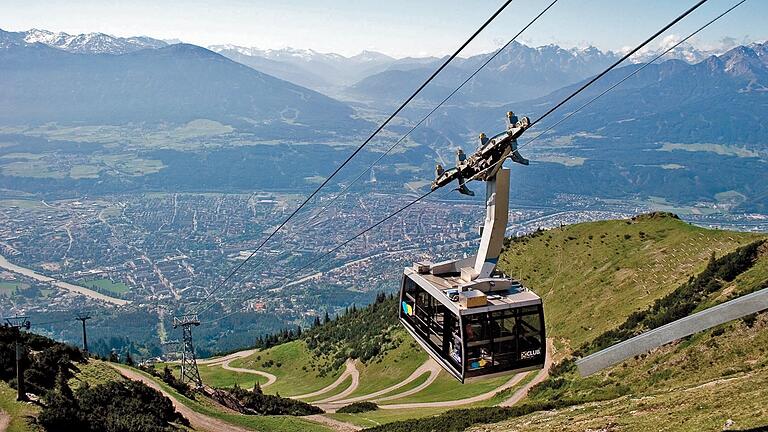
(395, 27)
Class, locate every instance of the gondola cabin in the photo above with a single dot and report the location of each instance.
(472, 320)
(496, 326)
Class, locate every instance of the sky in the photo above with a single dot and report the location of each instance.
(396, 27)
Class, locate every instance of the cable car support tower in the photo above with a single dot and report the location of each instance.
(189, 371)
(18, 323)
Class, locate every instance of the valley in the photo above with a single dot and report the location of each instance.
(229, 217)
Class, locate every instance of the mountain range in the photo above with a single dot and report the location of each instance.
(687, 129)
(91, 43)
(320, 71)
(173, 83)
(688, 132)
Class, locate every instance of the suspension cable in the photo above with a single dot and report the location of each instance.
(359, 148)
(423, 119)
(550, 111)
(361, 233)
(365, 231)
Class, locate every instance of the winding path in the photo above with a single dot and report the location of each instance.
(350, 370)
(430, 366)
(520, 394)
(332, 403)
(334, 384)
(225, 361)
(5, 420)
(430, 379)
(454, 403)
(197, 420)
(270, 378)
(233, 356)
(541, 376)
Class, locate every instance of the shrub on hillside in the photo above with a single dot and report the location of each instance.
(358, 407)
(126, 406)
(41, 358)
(178, 385)
(167, 376)
(256, 402)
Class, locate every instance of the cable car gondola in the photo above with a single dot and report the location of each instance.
(471, 319)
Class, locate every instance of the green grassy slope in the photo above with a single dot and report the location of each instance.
(590, 286)
(18, 412)
(294, 365)
(216, 376)
(591, 276)
(392, 367)
(383, 416)
(93, 373)
(446, 387)
(696, 384)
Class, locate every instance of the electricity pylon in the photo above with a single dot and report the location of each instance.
(17, 323)
(189, 371)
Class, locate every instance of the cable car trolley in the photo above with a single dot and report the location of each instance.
(471, 319)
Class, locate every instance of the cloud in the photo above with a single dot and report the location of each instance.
(668, 41)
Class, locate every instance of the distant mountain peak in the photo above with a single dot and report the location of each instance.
(743, 61)
(91, 43)
(371, 56)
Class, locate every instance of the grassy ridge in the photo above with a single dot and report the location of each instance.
(592, 276)
(696, 384)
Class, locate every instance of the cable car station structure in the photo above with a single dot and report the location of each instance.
(471, 319)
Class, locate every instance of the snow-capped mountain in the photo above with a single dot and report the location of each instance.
(307, 67)
(283, 54)
(519, 72)
(91, 43)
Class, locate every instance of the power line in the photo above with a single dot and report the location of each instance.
(626, 56)
(54, 322)
(423, 119)
(561, 103)
(359, 148)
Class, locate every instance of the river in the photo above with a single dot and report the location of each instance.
(4, 263)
